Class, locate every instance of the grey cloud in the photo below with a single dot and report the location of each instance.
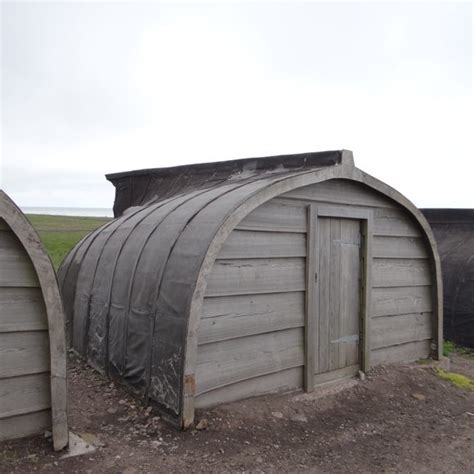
(72, 82)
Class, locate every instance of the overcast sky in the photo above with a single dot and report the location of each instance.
(91, 88)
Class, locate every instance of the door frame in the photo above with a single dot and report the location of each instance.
(365, 216)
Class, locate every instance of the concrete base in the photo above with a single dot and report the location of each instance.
(328, 388)
(77, 447)
(443, 363)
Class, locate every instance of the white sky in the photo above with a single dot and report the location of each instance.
(90, 88)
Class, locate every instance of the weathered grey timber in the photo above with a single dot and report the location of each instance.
(454, 233)
(220, 281)
(32, 339)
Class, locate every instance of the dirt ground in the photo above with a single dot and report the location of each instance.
(399, 419)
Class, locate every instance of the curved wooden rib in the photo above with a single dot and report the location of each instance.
(20, 225)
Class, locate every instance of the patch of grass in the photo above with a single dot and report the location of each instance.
(450, 347)
(60, 234)
(456, 379)
(67, 223)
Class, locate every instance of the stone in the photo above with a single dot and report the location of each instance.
(277, 414)
(155, 444)
(418, 396)
(202, 425)
(92, 439)
(299, 417)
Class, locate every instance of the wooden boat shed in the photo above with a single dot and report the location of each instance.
(32, 339)
(454, 233)
(222, 281)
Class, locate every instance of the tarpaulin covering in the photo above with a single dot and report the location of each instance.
(454, 233)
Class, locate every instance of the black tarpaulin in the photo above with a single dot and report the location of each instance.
(454, 233)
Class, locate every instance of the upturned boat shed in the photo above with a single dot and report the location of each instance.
(220, 281)
(33, 394)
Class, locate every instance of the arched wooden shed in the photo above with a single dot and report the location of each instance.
(454, 233)
(226, 280)
(32, 339)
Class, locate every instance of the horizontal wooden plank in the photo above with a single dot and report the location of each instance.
(22, 309)
(252, 244)
(400, 353)
(253, 276)
(401, 300)
(392, 330)
(338, 374)
(237, 316)
(16, 269)
(277, 382)
(400, 272)
(26, 394)
(23, 353)
(341, 191)
(9, 242)
(343, 211)
(399, 247)
(223, 363)
(395, 222)
(275, 217)
(25, 425)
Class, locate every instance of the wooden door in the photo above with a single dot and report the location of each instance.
(336, 314)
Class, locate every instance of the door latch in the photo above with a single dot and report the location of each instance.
(316, 277)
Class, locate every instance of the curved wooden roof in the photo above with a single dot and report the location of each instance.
(141, 278)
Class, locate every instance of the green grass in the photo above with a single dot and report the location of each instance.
(60, 233)
(450, 347)
(456, 379)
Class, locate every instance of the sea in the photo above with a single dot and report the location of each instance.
(70, 211)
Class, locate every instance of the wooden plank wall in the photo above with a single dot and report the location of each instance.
(25, 400)
(251, 335)
(252, 327)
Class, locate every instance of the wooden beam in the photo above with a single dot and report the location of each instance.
(251, 244)
(24, 353)
(232, 317)
(254, 276)
(311, 310)
(400, 272)
(227, 362)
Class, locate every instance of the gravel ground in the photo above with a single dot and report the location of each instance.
(399, 419)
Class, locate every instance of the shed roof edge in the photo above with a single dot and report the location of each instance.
(325, 158)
